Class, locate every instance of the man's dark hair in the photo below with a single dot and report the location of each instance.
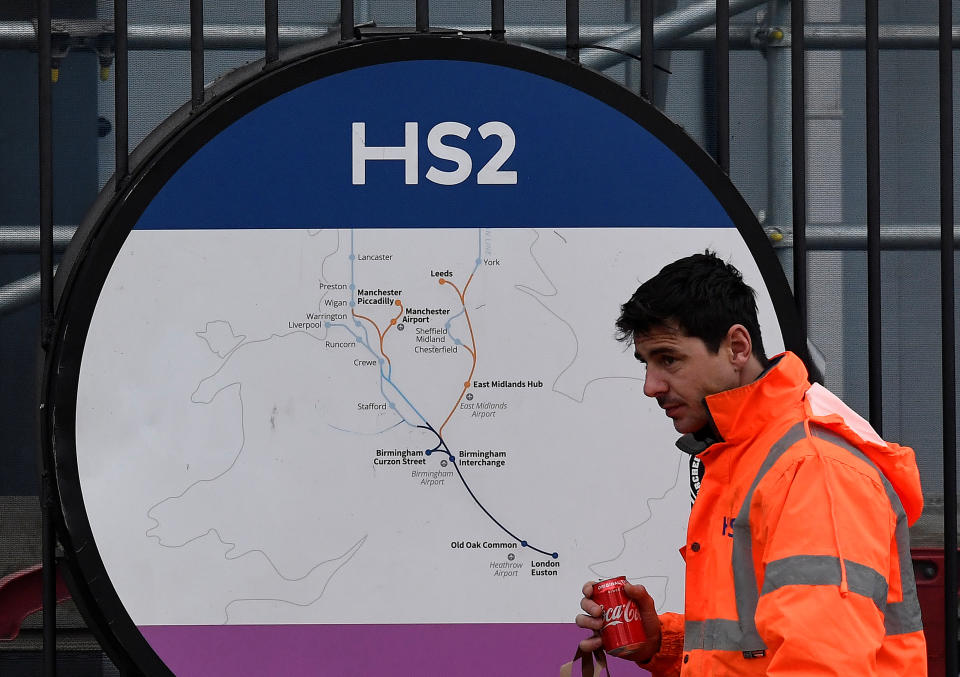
(703, 295)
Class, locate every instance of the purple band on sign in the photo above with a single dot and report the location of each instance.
(480, 650)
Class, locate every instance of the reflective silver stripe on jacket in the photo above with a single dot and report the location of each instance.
(900, 617)
(721, 634)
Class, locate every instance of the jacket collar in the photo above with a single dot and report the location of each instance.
(739, 413)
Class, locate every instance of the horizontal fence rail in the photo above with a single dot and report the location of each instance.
(20, 239)
(93, 34)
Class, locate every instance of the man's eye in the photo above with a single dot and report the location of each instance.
(666, 360)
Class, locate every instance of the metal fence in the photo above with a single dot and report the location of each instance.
(698, 26)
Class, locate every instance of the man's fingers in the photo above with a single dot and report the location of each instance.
(590, 607)
(589, 622)
(647, 608)
(639, 594)
(590, 644)
(593, 642)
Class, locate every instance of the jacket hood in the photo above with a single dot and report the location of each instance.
(897, 463)
(736, 413)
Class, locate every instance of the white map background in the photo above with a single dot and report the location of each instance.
(228, 473)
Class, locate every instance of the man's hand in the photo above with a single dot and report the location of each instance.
(592, 619)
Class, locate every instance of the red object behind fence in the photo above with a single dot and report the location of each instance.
(21, 594)
(928, 567)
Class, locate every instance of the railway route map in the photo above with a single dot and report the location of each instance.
(395, 409)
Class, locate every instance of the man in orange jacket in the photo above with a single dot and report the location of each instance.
(797, 552)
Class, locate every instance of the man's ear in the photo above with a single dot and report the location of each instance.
(739, 345)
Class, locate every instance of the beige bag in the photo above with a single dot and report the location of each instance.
(590, 664)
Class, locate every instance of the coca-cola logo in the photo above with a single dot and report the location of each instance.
(622, 613)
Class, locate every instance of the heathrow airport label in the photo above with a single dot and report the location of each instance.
(350, 392)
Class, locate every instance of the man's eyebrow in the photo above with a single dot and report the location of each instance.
(665, 350)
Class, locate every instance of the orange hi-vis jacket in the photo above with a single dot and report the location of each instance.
(797, 553)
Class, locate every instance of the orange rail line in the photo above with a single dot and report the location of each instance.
(393, 323)
(364, 317)
(473, 353)
(381, 336)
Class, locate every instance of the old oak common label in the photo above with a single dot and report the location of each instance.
(512, 564)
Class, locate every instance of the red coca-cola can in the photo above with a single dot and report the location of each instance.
(622, 631)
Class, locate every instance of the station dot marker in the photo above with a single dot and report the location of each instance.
(555, 555)
(353, 286)
(457, 342)
(397, 303)
(380, 360)
(452, 459)
(393, 406)
(327, 324)
(479, 262)
(442, 281)
(352, 304)
(393, 321)
(523, 544)
(428, 452)
(466, 384)
(352, 257)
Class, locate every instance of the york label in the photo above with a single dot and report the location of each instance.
(491, 172)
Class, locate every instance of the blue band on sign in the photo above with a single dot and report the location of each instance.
(439, 144)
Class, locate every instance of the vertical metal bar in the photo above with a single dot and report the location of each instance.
(497, 24)
(423, 16)
(347, 21)
(628, 68)
(573, 30)
(948, 347)
(196, 52)
(874, 342)
(121, 123)
(708, 100)
(271, 25)
(722, 75)
(646, 49)
(779, 147)
(798, 94)
(48, 534)
(45, 148)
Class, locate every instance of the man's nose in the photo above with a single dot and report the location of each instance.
(653, 385)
